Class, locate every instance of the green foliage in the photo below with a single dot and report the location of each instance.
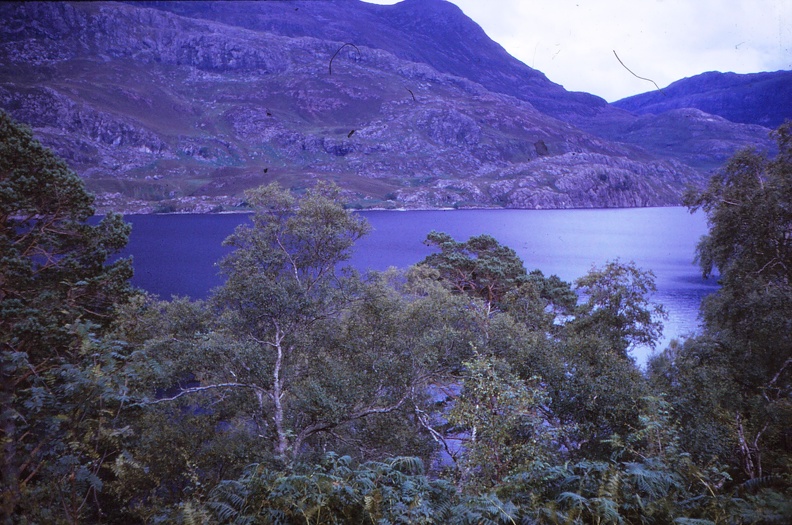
(617, 307)
(304, 242)
(503, 419)
(649, 479)
(335, 492)
(124, 408)
(290, 358)
(749, 210)
(597, 392)
(579, 352)
(282, 280)
(731, 387)
(539, 302)
(698, 379)
(746, 206)
(61, 390)
(481, 266)
(205, 435)
(53, 264)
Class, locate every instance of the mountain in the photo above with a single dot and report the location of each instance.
(757, 98)
(433, 32)
(178, 106)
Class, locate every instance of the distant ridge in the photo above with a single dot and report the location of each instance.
(756, 98)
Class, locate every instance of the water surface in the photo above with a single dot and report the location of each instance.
(176, 254)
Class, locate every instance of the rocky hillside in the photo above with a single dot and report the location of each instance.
(758, 98)
(181, 106)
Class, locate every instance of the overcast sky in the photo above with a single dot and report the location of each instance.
(572, 41)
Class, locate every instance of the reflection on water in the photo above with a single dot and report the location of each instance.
(175, 254)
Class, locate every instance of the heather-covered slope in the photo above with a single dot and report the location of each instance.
(758, 98)
(181, 106)
(433, 32)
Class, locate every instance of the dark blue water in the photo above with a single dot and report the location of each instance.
(176, 254)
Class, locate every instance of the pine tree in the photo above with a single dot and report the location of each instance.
(56, 293)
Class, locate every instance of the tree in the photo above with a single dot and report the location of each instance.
(282, 280)
(541, 303)
(311, 355)
(504, 422)
(617, 307)
(579, 352)
(749, 211)
(480, 266)
(740, 370)
(57, 293)
(595, 386)
(177, 447)
(697, 378)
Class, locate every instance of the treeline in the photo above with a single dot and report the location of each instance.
(461, 390)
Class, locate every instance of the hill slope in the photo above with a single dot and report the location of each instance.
(758, 98)
(181, 106)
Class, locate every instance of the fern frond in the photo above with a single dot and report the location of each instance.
(572, 500)
(754, 485)
(606, 510)
(194, 516)
(407, 465)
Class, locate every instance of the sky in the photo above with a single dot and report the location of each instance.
(573, 41)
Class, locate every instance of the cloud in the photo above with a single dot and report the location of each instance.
(572, 41)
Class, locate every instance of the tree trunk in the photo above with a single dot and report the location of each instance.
(751, 459)
(10, 474)
(277, 396)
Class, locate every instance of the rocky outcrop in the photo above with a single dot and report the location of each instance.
(177, 106)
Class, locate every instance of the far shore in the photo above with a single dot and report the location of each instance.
(104, 212)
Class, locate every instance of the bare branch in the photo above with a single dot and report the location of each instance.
(423, 419)
(196, 389)
(775, 377)
(327, 426)
(379, 410)
(293, 263)
(778, 374)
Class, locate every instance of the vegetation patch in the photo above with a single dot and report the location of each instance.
(464, 389)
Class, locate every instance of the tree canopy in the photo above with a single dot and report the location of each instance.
(480, 266)
(57, 292)
(464, 389)
(731, 387)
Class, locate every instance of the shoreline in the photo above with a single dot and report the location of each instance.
(104, 212)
